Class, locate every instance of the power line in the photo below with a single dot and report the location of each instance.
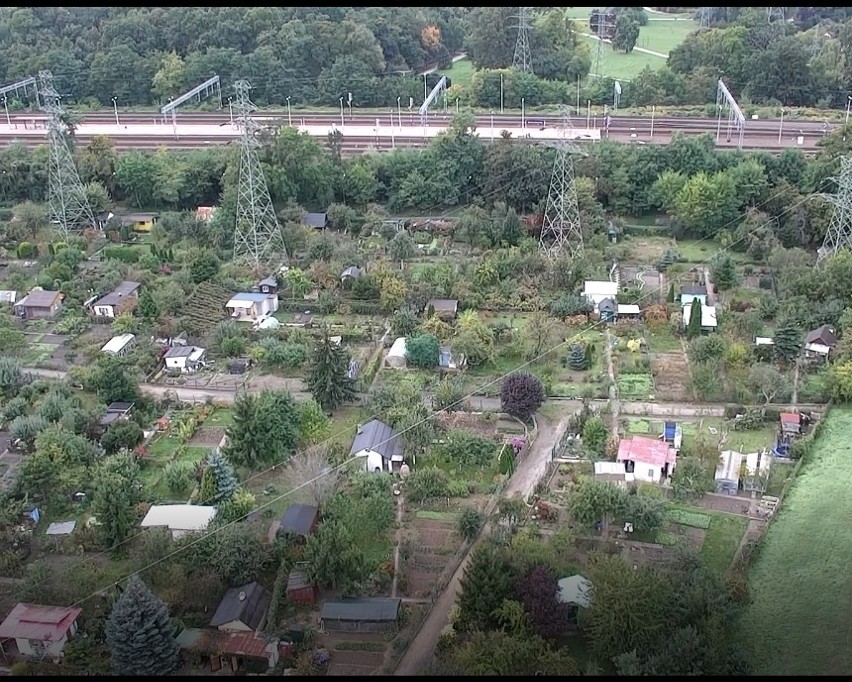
(561, 229)
(69, 208)
(839, 234)
(522, 58)
(205, 535)
(257, 236)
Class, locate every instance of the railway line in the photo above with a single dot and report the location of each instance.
(362, 133)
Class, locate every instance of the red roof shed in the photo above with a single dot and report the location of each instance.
(37, 622)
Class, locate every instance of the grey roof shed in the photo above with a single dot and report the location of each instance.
(315, 219)
(247, 604)
(378, 437)
(299, 519)
(364, 609)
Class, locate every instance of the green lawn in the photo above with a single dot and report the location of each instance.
(798, 621)
(460, 73)
(662, 340)
(779, 472)
(437, 515)
(661, 34)
(37, 354)
(721, 540)
(221, 417)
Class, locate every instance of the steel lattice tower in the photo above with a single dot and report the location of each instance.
(522, 59)
(839, 235)
(257, 237)
(69, 207)
(560, 229)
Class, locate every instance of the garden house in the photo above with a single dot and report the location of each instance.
(596, 291)
(691, 292)
(242, 608)
(648, 459)
(727, 475)
(180, 519)
(607, 310)
(299, 521)
(40, 631)
(300, 590)
(234, 651)
(379, 445)
(119, 345)
(367, 614)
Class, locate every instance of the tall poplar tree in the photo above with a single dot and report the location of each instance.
(328, 376)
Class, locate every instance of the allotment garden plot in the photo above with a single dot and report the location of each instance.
(428, 549)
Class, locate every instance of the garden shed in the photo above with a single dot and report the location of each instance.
(300, 590)
(365, 614)
(728, 472)
(396, 355)
(299, 520)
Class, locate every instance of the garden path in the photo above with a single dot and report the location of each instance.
(530, 469)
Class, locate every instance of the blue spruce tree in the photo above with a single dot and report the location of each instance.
(140, 634)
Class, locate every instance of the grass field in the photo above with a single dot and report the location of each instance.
(460, 73)
(799, 621)
(661, 35)
(721, 541)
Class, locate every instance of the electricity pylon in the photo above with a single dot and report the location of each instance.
(69, 208)
(257, 237)
(839, 234)
(560, 231)
(522, 59)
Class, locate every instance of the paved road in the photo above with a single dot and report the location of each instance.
(419, 654)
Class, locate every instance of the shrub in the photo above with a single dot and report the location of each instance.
(469, 523)
(466, 448)
(426, 483)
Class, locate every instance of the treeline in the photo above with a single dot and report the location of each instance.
(143, 56)
(707, 193)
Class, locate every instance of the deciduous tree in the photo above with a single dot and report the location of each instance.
(537, 591)
(521, 394)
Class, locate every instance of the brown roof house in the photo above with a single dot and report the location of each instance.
(242, 608)
(39, 303)
(445, 308)
(40, 631)
(820, 341)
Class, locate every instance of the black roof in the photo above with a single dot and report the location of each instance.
(119, 407)
(607, 304)
(299, 519)
(693, 289)
(249, 610)
(365, 609)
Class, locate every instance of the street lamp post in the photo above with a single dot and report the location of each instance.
(523, 114)
(341, 113)
(653, 109)
(289, 115)
(588, 112)
(115, 109)
(848, 103)
(399, 110)
(492, 124)
(501, 93)
(231, 111)
(6, 108)
(781, 125)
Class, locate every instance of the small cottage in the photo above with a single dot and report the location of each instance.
(350, 274)
(708, 317)
(648, 459)
(124, 296)
(819, 342)
(242, 608)
(300, 590)
(316, 220)
(250, 306)
(379, 445)
(40, 631)
(180, 519)
(184, 358)
(607, 310)
(139, 222)
(367, 614)
(299, 521)
(38, 304)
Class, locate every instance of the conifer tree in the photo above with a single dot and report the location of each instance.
(327, 378)
(693, 327)
(223, 474)
(671, 297)
(147, 307)
(140, 634)
(577, 358)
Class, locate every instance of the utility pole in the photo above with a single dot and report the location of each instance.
(839, 234)
(257, 237)
(561, 229)
(69, 207)
(522, 58)
(501, 92)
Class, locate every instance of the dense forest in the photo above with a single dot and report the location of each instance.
(313, 55)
